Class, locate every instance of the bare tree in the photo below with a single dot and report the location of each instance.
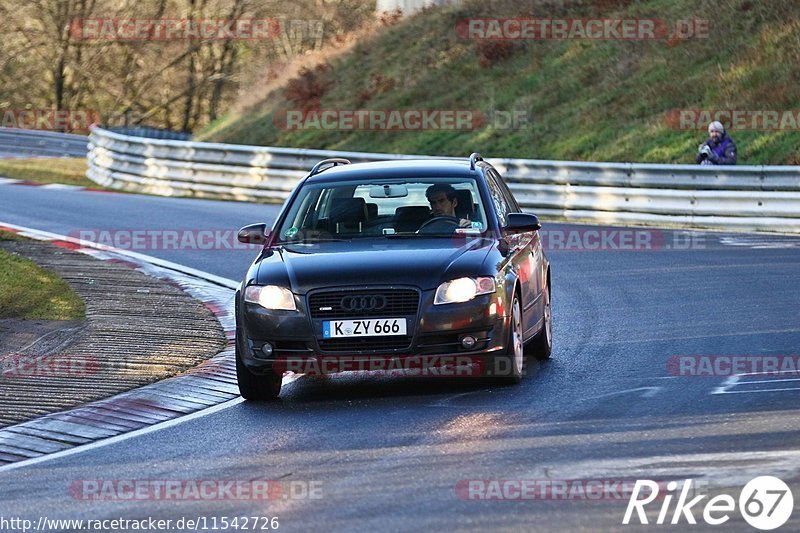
(47, 62)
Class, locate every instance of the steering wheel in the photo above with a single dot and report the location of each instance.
(451, 223)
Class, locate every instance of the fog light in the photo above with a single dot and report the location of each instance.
(468, 342)
(266, 349)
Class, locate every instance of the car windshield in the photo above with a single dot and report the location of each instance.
(385, 209)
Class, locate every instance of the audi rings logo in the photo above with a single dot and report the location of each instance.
(361, 302)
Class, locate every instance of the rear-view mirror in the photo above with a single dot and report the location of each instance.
(388, 191)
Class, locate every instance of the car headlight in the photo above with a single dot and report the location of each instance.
(270, 297)
(463, 290)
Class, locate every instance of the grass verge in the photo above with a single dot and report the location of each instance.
(30, 292)
(69, 171)
(582, 99)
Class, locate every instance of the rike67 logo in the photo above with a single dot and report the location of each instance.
(765, 503)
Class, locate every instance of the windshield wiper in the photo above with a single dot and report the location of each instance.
(419, 235)
(314, 241)
(398, 236)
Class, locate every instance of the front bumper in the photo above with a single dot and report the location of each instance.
(433, 338)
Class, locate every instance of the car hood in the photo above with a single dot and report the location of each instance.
(424, 263)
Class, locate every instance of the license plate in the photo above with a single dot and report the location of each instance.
(367, 327)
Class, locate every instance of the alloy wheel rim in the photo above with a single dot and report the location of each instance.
(548, 319)
(517, 338)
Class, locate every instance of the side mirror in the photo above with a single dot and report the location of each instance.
(253, 234)
(522, 223)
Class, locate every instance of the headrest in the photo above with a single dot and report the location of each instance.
(465, 208)
(348, 211)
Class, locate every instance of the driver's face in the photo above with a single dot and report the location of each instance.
(442, 206)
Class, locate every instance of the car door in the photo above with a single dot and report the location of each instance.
(526, 249)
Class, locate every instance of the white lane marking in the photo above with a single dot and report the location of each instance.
(786, 389)
(649, 392)
(693, 337)
(729, 383)
(724, 469)
(648, 378)
(736, 379)
(760, 242)
(123, 437)
(770, 381)
(61, 186)
(46, 235)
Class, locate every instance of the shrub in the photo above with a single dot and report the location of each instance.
(491, 52)
(307, 89)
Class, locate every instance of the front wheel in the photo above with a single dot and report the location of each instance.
(254, 386)
(514, 353)
(541, 346)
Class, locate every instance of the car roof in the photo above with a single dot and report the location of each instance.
(396, 169)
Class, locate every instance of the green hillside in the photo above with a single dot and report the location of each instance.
(593, 100)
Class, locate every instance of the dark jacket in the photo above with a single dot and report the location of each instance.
(722, 153)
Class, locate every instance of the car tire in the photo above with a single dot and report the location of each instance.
(541, 345)
(253, 386)
(515, 348)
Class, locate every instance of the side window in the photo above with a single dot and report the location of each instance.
(498, 198)
(510, 200)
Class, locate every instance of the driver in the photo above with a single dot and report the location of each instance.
(442, 197)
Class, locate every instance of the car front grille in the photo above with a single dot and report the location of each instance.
(365, 344)
(341, 304)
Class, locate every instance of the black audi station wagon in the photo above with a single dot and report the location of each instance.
(400, 261)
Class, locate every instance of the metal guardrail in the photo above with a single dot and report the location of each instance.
(152, 133)
(409, 7)
(758, 198)
(39, 143)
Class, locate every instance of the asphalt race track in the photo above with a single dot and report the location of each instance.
(396, 454)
